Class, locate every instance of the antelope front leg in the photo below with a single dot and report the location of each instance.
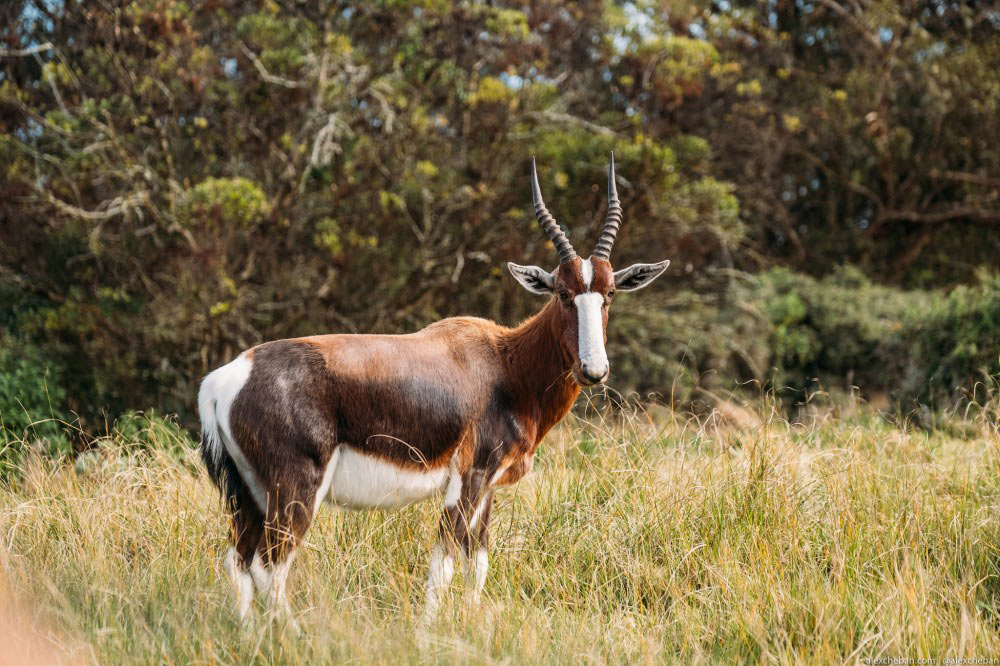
(438, 578)
(465, 506)
(478, 560)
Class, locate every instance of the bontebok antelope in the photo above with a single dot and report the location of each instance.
(382, 421)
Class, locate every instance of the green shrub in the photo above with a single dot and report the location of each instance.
(226, 203)
(686, 346)
(955, 346)
(791, 333)
(31, 402)
(922, 348)
(842, 331)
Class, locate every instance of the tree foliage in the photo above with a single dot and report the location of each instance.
(869, 133)
(183, 180)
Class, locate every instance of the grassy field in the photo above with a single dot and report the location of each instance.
(637, 541)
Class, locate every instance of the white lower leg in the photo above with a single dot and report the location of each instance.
(261, 575)
(277, 599)
(441, 570)
(271, 581)
(475, 578)
(241, 581)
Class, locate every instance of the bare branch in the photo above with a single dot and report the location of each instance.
(853, 20)
(20, 53)
(387, 111)
(569, 119)
(115, 207)
(55, 89)
(955, 213)
(843, 180)
(266, 75)
(325, 145)
(965, 177)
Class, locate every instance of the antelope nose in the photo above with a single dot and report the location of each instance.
(596, 375)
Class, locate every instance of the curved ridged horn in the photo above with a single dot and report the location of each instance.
(612, 220)
(563, 247)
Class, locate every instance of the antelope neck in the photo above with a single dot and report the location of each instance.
(539, 364)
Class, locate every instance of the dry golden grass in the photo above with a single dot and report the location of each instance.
(632, 542)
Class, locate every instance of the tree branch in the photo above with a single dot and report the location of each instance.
(19, 53)
(569, 119)
(853, 20)
(942, 216)
(117, 206)
(846, 182)
(266, 75)
(965, 177)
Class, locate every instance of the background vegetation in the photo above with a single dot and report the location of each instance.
(183, 180)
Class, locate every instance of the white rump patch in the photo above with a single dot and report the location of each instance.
(360, 481)
(590, 332)
(215, 401)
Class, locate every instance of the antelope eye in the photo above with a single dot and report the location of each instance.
(563, 296)
(611, 294)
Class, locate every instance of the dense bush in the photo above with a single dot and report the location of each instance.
(954, 348)
(775, 331)
(32, 397)
(919, 347)
(33, 414)
(838, 332)
(793, 334)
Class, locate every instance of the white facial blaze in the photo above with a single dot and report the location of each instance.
(590, 331)
(587, 272)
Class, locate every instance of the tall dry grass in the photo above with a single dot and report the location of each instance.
(634, 541)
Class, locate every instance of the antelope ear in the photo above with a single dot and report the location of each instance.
(534, 279)
(638, 276)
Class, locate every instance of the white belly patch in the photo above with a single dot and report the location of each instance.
(359, 481)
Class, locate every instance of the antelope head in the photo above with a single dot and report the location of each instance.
(584, 287)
